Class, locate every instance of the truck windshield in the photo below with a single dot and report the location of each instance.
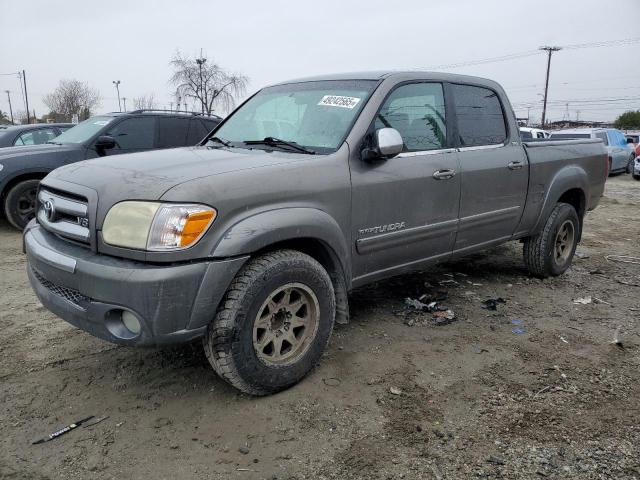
(83, 131)
(314, 115)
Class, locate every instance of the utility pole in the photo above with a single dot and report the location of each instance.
(117, 84)
(171, 106)
(26, 96)
(203, 94)
(549, 51)
(10, 109)
(124, 102)
(528, 117)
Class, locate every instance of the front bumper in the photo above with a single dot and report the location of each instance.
(173, 303)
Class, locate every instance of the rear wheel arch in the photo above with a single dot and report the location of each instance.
(571, 183)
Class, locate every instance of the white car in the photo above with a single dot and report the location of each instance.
(636, 168)
(527, 133)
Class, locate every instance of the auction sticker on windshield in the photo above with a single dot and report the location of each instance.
(339, 101)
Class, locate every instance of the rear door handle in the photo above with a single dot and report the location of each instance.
(444, 174)
(515, 165)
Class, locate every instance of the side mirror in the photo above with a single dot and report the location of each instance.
(105, 142)
(387, 143)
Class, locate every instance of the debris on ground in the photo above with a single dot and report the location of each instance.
(62, 431)
(395, 391)
(492, 303)
(582, 300)
(518, 330)
(616, 337)
(623, 259)
(331, 382)
(564, 340)
(444, 317)
(581, 255)
(427, 303)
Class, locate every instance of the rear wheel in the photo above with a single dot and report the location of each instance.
(630, 164)
(550, 253)
(273, 324)
(21, 202)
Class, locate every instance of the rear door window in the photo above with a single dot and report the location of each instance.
(417, 111)
(197, 131)
(172, 132)
(480, 117)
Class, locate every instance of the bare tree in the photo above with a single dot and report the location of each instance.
(21, 117)
(143, 102)
(206, 82)
(73, 97)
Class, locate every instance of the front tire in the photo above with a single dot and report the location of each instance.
(21, 203)
(273, 323)
(550, 253)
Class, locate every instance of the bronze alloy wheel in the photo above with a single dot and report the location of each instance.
(286, 324)
(564, 242)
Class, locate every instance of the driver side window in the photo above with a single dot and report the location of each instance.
(134, 133)
(417, 111)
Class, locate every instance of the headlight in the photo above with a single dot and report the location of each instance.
(156, 226)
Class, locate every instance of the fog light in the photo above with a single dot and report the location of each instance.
(131, 322)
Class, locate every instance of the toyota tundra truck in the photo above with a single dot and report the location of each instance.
(252, 240)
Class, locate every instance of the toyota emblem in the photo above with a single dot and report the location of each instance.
(49, 210)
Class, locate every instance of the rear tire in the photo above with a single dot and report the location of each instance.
(550, 253)
(630, 164)
(273, 323)
(21, 203)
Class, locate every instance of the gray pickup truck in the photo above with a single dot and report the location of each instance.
(252, 240)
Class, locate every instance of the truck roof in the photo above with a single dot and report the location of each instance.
(400, 74)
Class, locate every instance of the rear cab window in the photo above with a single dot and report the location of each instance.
(480, 117)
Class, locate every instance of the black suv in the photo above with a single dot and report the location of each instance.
(22, 168)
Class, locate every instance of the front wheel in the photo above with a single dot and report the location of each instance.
(550, 253)
(20, 204)
(273, 323)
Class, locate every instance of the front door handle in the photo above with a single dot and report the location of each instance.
(444, 174)
(515, 165)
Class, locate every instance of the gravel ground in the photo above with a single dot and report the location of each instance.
(395, 396)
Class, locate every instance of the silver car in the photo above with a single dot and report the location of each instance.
(620, 157)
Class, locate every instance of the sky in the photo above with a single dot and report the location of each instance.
(270, 41)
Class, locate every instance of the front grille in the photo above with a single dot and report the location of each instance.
(65, 214)
(69, 294)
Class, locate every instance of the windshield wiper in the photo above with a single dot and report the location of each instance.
(224, 142)
(276, 142)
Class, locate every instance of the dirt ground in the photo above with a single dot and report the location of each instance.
(395, 396)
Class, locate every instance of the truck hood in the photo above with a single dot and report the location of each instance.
(147, 175)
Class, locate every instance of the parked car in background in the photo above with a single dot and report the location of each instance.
(252, 240)
(31, 134)
(633, 138)
(635, 170)
(620, 157)
(22, 168)
(528, 133)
